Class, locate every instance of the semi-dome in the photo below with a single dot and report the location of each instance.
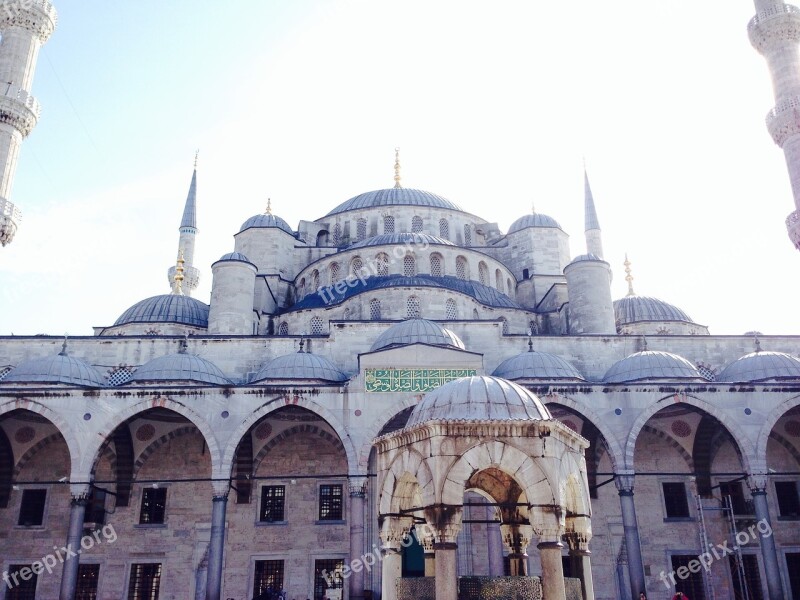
(651, 364)
(60, 368)
(635, 309)
(395, 197)
(300, 365)
(533, 220)
(235, 257)
(265, 221)
(417, 331)
(479, 399)
(180, 367)
(537, 365)
(761, 366)
(402, 239)
(167, 308)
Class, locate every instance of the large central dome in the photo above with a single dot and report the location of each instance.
(395, 197)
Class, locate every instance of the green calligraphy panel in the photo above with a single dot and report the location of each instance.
(411, 380)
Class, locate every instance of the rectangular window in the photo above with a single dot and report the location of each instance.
(19, 588)
(88, 576)
(154, 505)
(327, 576)
(145, 581)
(788, 500)
(268, 578)
(751, 586)
(31, 508)
(96, 507)
(272, 503)
(691, 584)
(735, 490)
(793, 569)
(675, 501)
(330, 502)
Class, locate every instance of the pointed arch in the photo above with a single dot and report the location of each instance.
(372, 431)
(6, 468)
(407, 475)
(769, 423)
(281, 437)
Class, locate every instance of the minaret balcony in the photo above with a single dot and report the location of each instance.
(793, 225)
(9, 220)
(18, 108)
(37, 16)
(775, 25)
(783, 121)
(191, 277)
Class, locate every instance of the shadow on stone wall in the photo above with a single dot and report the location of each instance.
(484, 588)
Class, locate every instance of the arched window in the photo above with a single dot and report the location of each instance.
(334, 268)
(504, 322)
(451, 312)
(533, 328)
(483, 273)
(375, 309)
(412, 308)
(462, 272)
(301, 288)
(475, 314)
(468, 235)
(436, 265)
(283, 328)
(316, 326)
(510, 289)
(444, 229)
(315, 279)
(409, 266)
(498, 279)
(361, 229)
(388, 224)
(356, 267)
(337, 234)
(346, 314)
(416, 224)
(382, 264)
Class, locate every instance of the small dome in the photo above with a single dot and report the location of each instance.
(402, 239)
(167, 308)
(234, 256)
(651, 364)
(180, 367)
(300, 365)
(533, 220)
(634, 309)
(761, 366)
(395, 197)
(60, 368)
(265, 221)
(479, 399)
(537, 365)
(417, 331)
(586, 258)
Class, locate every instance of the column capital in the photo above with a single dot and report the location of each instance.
(357, 485)
(220, 487)
(516, 538)
(552, 545)
(757, 482)
(443, 521)
(624, 481)
(393, 530)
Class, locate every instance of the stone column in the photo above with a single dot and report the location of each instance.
(495, 544)
(553, 587)
(77, 512)
(624, 483)
(216, 547)
(445, 523)
(579, 533)
(516, 538)
(430, 555)
(393, 532)
(358, 492)
(758, 488)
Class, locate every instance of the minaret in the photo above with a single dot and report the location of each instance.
(24, 27)
(594, 241)
(188, 232)
(775, 33)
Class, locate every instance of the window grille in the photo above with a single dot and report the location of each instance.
(382, 264)
(88, 577)
(120, 375)
(468, 235)
(328, 576)
(283, 328)
(337, 234)
(154, 505)
(412, 308)
(330, 502)
(24, 590)
(450, 310)
(356, 267)
(707, 373)
(461, 267)
(145, 581)
(416, 224)
(273, 499)
(268, 578)
(504, 321)
(409, 266)
(31, 508)
(375, 309)
(483, 273)
(444, 229)
(388, 224)
(436, 265)
(334, 269)
(675, 500)
(4, 371)
(361, 229)
(316, 326)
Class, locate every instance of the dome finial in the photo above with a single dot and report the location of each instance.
(177, 286)
(758, 343)
(533, 208)
(644, 343)
(397, 185)
(269, 207)
(64, 346)
(196, 154)
(628, 276)
(530, 339)
(302, 345)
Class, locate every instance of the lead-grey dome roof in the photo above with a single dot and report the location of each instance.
(398, 239)
(417, 331)
(533, 220)
(395, 197)
(180, 367)
(479, 399)
(234, 256)
(651, 364)
(300, 365)
(167, 308)
(537, 365)
(266, 221)
(634, 309)
(586, 258)
(59, 368)
(761, 366)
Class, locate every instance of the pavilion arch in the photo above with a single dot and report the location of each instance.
(407, 474)
(371, 432)
(93, 452)
(745, 444)
(612, 443)
(225, 466)
(57, 420)
(770, 422)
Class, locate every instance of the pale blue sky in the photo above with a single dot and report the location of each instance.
(493, 105)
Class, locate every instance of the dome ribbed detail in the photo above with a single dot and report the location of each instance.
(417, 331)
(533, 220)
(168, 308)
(265, 221)
(651, 364)
(395, 197)
(537, 365)
(300, 365)
(180, 367)
(761, 366)
(402, 239)
(60, 368)
(635, 309)
(479, 399)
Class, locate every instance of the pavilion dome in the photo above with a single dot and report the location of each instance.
(537, 365)
(395, 197)
(167, 308)
(234, 257)
(761, 366)
(60, 368)
(300, 365)
(180, 367)
(417, 331)
(479, 399)
(537, 220)
(651, 364)
(266, 221)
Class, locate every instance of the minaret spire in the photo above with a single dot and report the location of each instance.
(397, 185)
(594, 241)
(186, 239)
(628, 276)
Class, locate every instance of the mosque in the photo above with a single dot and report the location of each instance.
(398, 399)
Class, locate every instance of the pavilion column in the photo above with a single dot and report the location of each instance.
(393, 532)
(444, 521)
(517, 538)
(430, 555)
(77, 513)
(553, 587)
(579, 533)
(216, 547)
(769, 554)
(358, 493)
(495, 544)
(624, 483)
